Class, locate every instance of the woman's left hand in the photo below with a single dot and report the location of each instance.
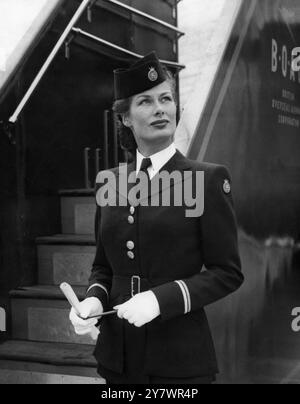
(140, 309)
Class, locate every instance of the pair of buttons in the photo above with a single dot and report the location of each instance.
(131, 218)
(130, 246)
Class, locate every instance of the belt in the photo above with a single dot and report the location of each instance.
(130, 285)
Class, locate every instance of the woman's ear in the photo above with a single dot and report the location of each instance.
(126, 121)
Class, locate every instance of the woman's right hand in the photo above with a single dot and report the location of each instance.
(88, 308)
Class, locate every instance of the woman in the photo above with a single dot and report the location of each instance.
(156, 265)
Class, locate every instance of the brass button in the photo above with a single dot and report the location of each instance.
(132, 210)
(130, 219)
(130, 255)
(130, 245)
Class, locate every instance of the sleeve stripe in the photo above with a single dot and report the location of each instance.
(185, 300)
(189, 306)
(98, 286)
(186, 296)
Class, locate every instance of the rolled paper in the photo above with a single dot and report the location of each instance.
(74, 302)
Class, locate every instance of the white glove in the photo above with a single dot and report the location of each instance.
(140, 309)
(88, 308)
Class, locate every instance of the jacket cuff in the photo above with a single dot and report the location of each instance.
(170, 300)
(98, 292)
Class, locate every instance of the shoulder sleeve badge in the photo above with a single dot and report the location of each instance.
(226, 187)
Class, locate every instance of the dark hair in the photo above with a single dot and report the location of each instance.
(122, 107)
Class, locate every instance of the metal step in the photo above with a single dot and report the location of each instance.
(45, 292)
(76, 192)
(15, 376)
(64, 258)
(78, 208)
(41, 313)
(24, 362)
(67, 239)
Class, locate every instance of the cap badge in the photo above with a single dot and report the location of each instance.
(227, 187)
(152, 75)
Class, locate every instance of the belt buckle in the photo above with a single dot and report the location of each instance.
(135, 285)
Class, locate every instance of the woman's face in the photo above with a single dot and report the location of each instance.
(152, 115)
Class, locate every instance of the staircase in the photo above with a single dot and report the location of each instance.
(44, 348)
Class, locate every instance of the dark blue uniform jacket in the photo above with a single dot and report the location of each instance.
(188, 262)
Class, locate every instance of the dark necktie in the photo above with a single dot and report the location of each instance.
(146, 163)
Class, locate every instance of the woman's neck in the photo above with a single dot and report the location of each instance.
(148, 150)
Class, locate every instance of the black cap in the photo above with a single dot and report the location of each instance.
(141, 76)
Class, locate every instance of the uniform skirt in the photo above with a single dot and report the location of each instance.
(134, 363)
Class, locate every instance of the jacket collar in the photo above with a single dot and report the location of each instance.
(158, 159)
(177, 163)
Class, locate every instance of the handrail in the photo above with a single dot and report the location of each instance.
(83, 6)
(145, 15)
(119, 48)
(43, 70)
